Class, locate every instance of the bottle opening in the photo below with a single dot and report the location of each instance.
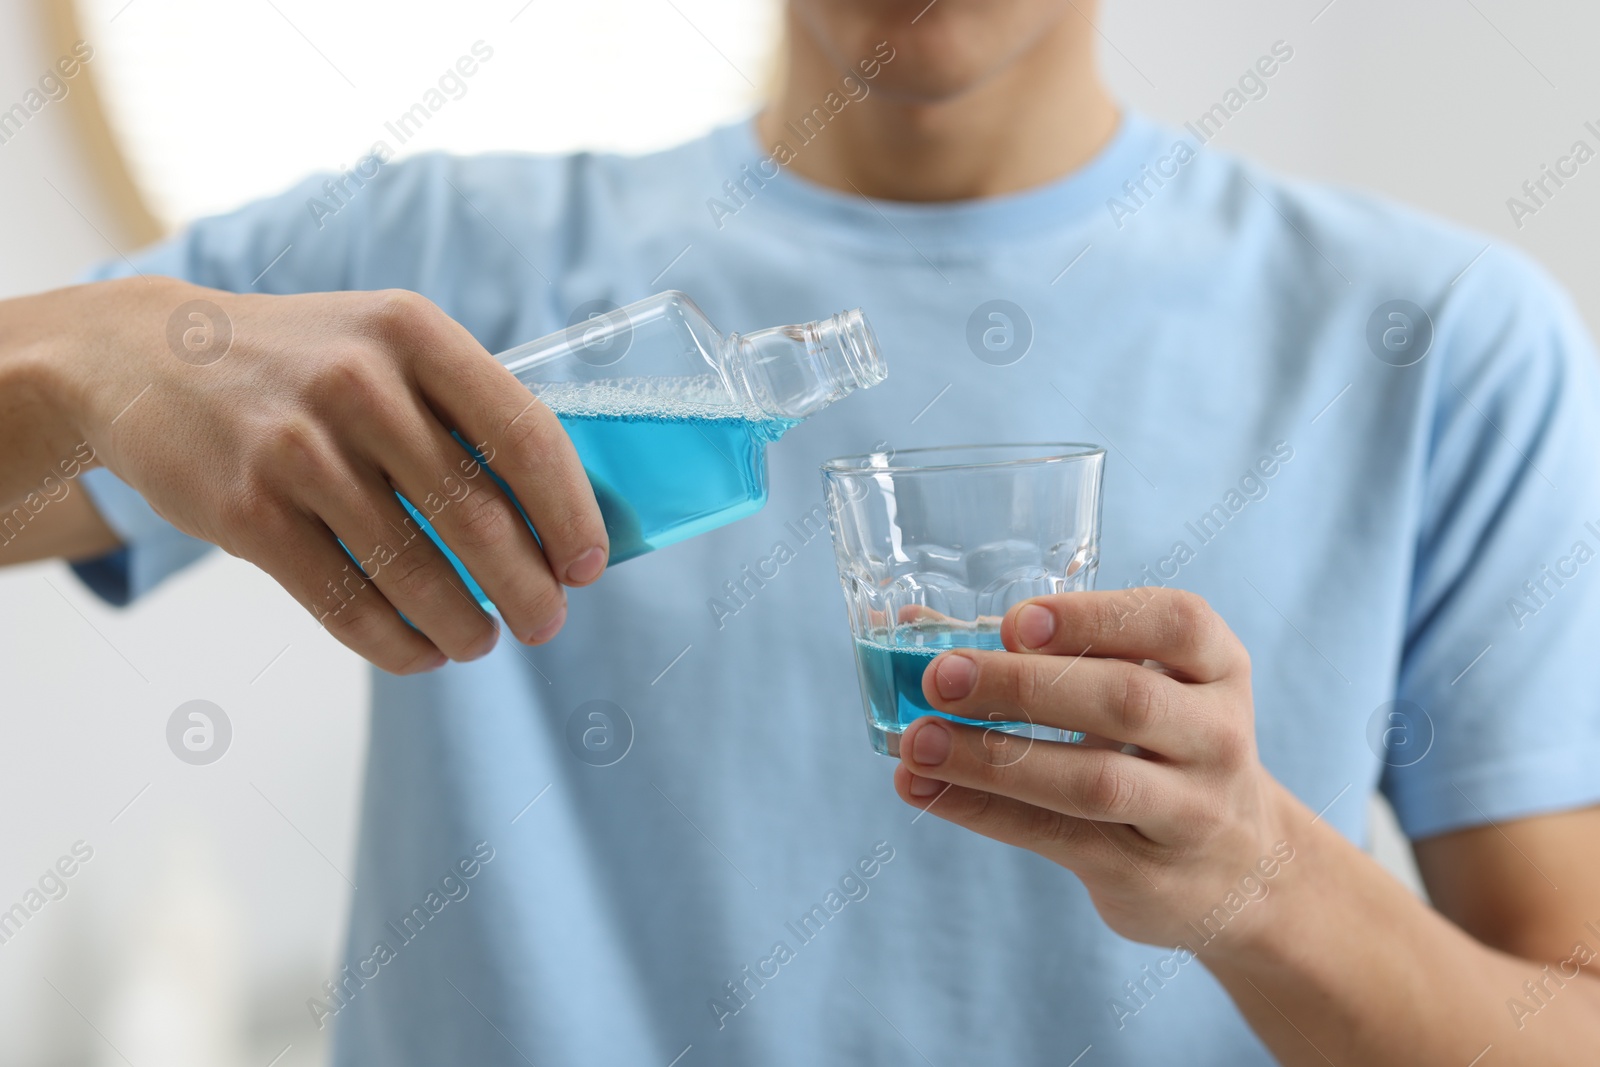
(848, 338)
(789, 373)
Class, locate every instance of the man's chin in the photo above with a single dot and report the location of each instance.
(930, 84)
(937, 63)
(955, 49)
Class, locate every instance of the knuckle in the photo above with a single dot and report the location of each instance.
(401, 311)
(292, 449)
(1187, 608)
(365, 630)
(483, 521)
(530, 435)
(467, 646)
(535, 601)
(1106, 615)
(423, 577)
(416, 663)
(1107, 790)
(979, 805)
(1047, 826)
(1190, 621)
(999, 753)
(572, 528)
(1024, 683)
(1235, 746)
(1239, 658)
(1208, 813)
(356, 626)
(251, 515)
(1143, 701)
(1204, 819)
(350, 380)
(412, 575)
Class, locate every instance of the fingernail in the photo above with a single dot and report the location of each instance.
(924, 787)
(587, 567)
(549, 629)
(931, 746)
(954, 675)
(1035, 626)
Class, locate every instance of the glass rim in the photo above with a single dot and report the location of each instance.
(1034, 453)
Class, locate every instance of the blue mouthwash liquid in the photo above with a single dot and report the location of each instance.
(891, 663)
(667, 458)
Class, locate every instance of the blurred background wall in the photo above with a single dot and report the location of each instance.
(213, 902)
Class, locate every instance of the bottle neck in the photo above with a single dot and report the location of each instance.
(789, 373)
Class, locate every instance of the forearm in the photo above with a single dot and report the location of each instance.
(1347, 966)
(64, 526)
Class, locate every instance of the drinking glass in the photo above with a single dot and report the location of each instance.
(934, 545)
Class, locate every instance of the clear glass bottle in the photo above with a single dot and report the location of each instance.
(672, 417)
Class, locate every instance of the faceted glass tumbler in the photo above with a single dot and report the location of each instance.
(935, 545)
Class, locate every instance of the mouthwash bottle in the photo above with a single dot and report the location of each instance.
(671, 417)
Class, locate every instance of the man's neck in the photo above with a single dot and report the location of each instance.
(1043, 116)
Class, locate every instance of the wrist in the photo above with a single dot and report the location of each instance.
(108, 346)
(1282, 892)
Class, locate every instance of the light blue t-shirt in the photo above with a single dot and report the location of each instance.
(1406, 551)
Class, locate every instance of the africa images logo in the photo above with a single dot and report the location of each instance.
(199, 732)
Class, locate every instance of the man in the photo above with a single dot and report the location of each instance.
(1357, 458)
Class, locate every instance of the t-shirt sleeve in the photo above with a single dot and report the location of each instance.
(1504, 617)
(151, 549)
(298, 241)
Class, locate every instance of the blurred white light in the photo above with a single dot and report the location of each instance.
(216, 104)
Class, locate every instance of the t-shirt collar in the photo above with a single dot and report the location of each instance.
(759, 181)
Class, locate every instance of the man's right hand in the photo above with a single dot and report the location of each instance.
(321, 407)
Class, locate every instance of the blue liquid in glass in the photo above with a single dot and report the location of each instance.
(891, 663)
(661, 472)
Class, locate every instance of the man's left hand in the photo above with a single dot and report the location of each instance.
(1165, 810)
